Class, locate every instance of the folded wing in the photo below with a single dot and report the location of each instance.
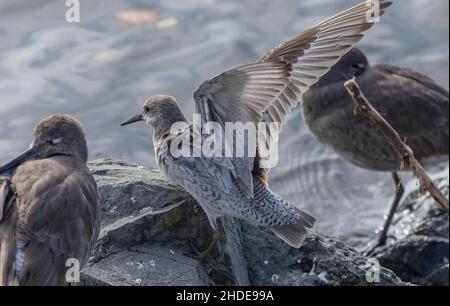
(7, 239)
(58, 220)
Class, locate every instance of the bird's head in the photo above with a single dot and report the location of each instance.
(54, 135)
(160, 112)
(352, 64)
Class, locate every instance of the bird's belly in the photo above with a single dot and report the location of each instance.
(354, 139)
(197, 181)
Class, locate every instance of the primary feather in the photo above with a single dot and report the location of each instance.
(269, 89)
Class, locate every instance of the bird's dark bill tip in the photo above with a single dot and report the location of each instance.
(30, 154)
(134, 119)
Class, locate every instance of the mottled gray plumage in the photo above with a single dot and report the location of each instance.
(412, 103)
(207, 180)
(262, 92)
(48, 206)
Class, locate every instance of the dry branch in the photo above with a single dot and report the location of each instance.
(405, 151)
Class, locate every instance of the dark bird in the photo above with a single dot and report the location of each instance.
(412, 103)
(48, 206)
(264, 92)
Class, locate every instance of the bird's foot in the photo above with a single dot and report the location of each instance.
(382, 241)
(373, 250)
(206, 254)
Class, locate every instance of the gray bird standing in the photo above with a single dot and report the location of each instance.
(412, 103)
(48, 206)
(262, 92)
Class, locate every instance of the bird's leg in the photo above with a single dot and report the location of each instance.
(208, 251)
(400, 190)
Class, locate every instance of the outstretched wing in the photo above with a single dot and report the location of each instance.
(58, 219)
(268, 90)
(313, 53)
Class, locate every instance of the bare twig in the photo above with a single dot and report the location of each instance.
(405, 151)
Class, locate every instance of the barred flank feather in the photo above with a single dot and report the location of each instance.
(295, 234)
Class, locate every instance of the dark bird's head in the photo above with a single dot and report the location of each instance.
(54, 135)
(160, 112)
(352, 64)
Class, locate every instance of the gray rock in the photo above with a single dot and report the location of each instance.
(322, 261)
(148, 264)
(152, 232)
(420, 251)
(134, 204)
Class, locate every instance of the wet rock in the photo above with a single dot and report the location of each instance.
(152, 232)
(322, 261)
(420, 251)
(145, 265)
(140, 207)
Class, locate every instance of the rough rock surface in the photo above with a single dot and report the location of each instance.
(138, 246)
(420, 251)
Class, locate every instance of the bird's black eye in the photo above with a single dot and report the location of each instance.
(146, 109)
(359, 68)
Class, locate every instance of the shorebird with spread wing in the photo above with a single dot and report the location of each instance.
(262, 92)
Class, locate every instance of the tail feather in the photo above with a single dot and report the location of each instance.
(294, 234)
(268, 209)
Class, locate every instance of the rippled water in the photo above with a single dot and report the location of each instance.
(101, 71)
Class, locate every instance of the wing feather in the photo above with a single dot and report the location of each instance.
(8, 214)
(268, 90)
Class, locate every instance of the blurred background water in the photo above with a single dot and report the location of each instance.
(101, 70)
